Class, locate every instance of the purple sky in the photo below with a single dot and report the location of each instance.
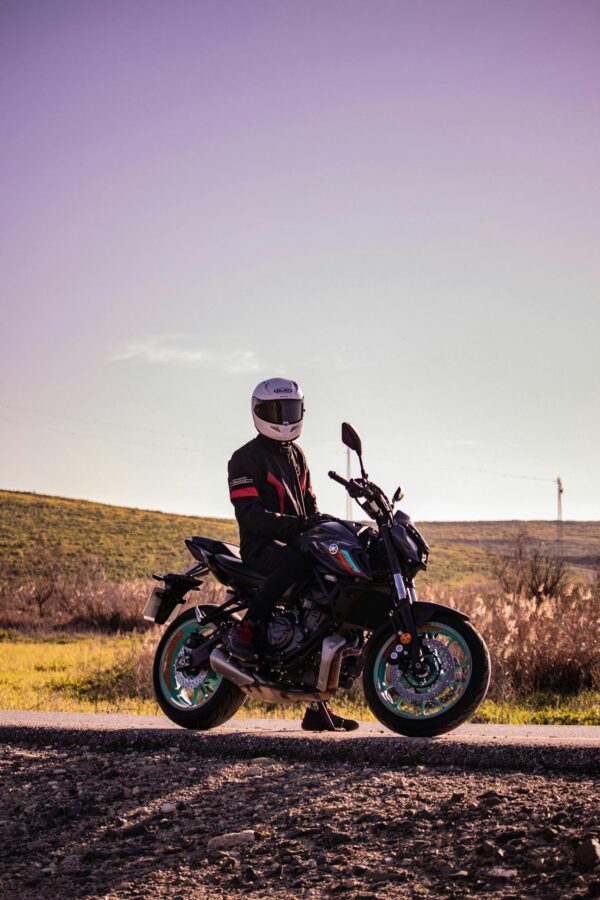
(396, 203)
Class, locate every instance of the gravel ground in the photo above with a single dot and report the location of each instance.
(88, 822)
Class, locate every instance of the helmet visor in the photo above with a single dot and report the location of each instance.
(279, 411)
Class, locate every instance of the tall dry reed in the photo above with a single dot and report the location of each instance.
(535, 644)
(92, 604)
(552, 644)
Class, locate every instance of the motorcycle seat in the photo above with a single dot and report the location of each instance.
(238, 571)
(235, 571)
(221, 547)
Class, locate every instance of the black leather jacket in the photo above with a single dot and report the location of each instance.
(269, 486)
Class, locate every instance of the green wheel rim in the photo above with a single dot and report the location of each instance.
(174, 691)
(384, 676)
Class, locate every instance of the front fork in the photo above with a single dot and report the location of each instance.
(402, 613)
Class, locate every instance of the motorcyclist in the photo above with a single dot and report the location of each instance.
(271, 491)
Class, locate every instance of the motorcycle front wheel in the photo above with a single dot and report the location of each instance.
(200, 698)
(450, 686)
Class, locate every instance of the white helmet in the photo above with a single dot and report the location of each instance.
(278, 409)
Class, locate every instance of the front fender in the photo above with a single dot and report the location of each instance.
(424, 611)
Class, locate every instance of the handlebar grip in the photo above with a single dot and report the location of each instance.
(335, 477)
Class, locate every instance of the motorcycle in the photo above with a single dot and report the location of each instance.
(425, 669)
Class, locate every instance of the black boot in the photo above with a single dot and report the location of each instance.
(321, 717)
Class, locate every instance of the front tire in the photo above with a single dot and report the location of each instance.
(449, 691)
(199, 699)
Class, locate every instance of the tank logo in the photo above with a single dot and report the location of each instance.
(282, 390)
(334, 549)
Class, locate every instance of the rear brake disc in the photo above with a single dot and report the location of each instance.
(184, 677)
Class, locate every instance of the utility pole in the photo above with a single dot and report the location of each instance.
(348, 477)
(559, 520)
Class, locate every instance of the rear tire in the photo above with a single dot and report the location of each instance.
(385, 686)
(212, 702)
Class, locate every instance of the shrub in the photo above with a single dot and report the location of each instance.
(527, 570)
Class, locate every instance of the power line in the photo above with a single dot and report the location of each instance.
(391, 455)
(496, 474)
(145, 444)
(98, 422)
(104, 424)
(119, 441)
(212, 437)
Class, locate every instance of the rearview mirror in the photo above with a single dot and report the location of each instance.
(398, 495)
(351, 438)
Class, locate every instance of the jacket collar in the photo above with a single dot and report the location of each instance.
(276, 446)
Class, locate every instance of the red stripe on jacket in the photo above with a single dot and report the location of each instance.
(278, 487)
(243, 492)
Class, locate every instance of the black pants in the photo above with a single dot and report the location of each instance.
(284, 566)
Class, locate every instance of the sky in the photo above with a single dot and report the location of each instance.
(397, 204)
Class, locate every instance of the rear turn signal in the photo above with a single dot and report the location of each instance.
(405, 638)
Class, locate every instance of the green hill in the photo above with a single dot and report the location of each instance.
(131, 543)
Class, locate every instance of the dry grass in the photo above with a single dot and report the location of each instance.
(84, 604)
(549, 651)
(552, 645)
(535, 646)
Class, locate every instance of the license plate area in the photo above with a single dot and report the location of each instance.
(153, 605)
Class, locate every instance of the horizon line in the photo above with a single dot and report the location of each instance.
(232, 518)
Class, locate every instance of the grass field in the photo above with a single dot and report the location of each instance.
(73, 674)
(131, 543)
(103, 674)
(546, 658)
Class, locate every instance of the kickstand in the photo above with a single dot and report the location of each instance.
(323, 708)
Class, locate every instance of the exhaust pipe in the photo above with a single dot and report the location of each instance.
(219, 663)
(328, 678)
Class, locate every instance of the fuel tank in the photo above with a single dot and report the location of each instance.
(338, 549)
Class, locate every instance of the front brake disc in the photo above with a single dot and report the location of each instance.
(445, 661)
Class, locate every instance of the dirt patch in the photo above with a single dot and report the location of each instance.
(92, 823)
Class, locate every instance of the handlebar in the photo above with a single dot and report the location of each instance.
(363, 490)
(353, 487)
(335, 477)
(368, 495)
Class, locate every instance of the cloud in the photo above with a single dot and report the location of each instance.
(167, 350)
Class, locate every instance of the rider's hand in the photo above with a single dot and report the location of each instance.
(354, 489)
(316, 519)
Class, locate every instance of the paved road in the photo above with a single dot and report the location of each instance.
(551, 735)
(525, 748)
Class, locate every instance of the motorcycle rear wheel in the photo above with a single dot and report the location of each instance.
(196, 700)
(450, 690)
